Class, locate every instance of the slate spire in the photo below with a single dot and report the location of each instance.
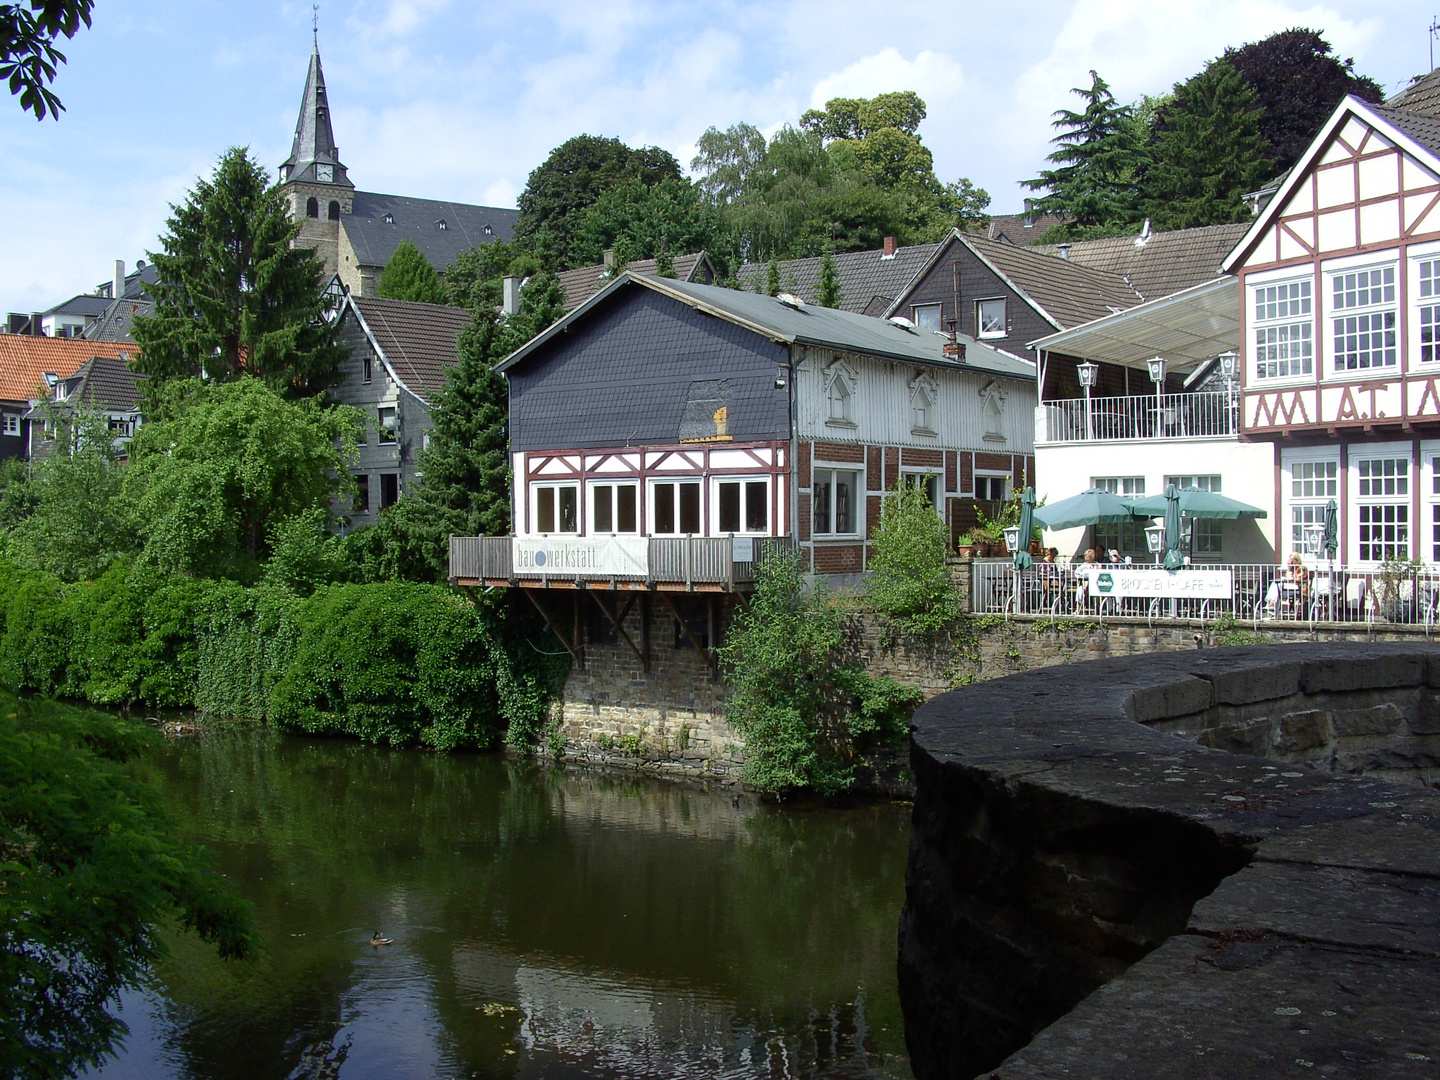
(313, 157)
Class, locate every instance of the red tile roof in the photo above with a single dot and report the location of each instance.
(24, 360)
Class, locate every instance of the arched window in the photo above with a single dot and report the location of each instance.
(312, 207)
(334, 210)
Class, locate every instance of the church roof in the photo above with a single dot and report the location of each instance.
(441, 230)
(314, 140)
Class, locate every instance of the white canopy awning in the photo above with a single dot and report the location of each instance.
(1187, 328)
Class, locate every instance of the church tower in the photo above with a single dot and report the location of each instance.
(312, 179)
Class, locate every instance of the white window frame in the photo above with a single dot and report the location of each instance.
(1395, 495)
(11, 424)
(1424, 293)
(392, 429)
(1273, 316)
(536, 486)
(653, 521)
(980, 304)
(984, 474)
(928, 477)
(1207, 535)
(858, 512)
(1127, 487)
(1203, 481)
(1428, 531)
(840, 384)
(593, 488)
(916, 309)
(924, 401)
(743, 481)
(1308, 480)
(1359, 314)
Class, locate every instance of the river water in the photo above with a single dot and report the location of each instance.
(544, 923)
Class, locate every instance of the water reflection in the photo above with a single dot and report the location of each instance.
(543, 923)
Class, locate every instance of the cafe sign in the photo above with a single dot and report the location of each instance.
(601, 556)
(1126, 582)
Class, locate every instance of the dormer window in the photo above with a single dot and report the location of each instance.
(488, 231)
(440, 225)
(389, 218)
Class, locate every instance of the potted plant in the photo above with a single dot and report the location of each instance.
(965, 544)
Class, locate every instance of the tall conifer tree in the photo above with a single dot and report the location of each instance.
(409, 276)
(233, 296)
(829, 294)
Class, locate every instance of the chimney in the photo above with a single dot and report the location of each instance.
(1029, 214)
(1065, 252)
(889, 248)
(117, 287)
(36, 329)
(609, 258)
(510, 305)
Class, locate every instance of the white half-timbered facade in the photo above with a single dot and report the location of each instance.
(1339, 313)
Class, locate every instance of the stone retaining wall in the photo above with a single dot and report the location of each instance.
(1098, 887)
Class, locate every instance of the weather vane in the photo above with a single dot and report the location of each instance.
(315, 21)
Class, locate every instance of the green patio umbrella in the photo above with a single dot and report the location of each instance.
(1173, 559)
(1093, 507)
(1197, 503)
(1331, 539)
(1027, 527)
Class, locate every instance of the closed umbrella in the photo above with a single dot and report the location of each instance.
(1173, 559)
(1093, 507)
(1331, 539)
(1027, 526)
(1198, 503)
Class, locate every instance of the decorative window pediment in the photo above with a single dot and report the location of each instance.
(924, 393)
(840, 383)
(992, 407)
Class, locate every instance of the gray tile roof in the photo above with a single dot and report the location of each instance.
(1421, 96)
(375, 238)
(1424, 129)
(418, 341)
(1011, 228)
(1166, 263)
(116, 321)
(84, 304)
(584, 282)
(869, 282)
(107, 383)
(1067, 291)
(810, 325)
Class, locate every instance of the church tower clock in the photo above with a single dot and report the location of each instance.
(312, 179)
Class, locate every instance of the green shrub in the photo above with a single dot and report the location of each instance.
(800, 698)
(909, 582)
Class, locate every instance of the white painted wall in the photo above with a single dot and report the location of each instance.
(1246, 470)
(882, 408)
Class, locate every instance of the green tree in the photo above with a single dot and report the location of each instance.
(909, 581)
(645, 220)
(29, 59)
(1207, 152)
(475, 279)
(222, 465)
(800, 698)
(571, 179)
(234, 297)
(726, 162)
(409, 276)
(829, 294)
(1297, 83)
(772, 278)
(89, 869)
(1100, 156)
(70, 518)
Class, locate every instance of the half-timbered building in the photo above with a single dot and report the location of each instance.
(1339, 314)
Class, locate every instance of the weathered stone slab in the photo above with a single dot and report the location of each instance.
(1343, 666)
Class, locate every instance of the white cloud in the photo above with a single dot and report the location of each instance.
(934, 76)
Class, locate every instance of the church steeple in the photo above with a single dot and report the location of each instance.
(313, 157)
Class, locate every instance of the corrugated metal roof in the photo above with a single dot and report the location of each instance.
(809, 325)
(1186, 328)
(869, 282)
(24, 360)
(585, 281)
(418, 341)
(375, 238)
(1165, 263)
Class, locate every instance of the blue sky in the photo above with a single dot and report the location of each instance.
(456, 100)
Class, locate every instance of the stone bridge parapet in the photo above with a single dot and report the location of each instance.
(1216, 863)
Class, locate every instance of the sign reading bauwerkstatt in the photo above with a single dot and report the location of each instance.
(1122, 582)
(601, 556)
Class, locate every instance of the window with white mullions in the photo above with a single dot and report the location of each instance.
(1435, 509)
(742, 506)
(613, 509)
(1284, 329)
(556, 508)
(1429, 310)
(835, 502)
(1311, 485)
(1363, 318)
(1383, 502)
(1204, 483)
(675, 508)
(992, 488)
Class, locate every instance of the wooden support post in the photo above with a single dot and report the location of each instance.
(550, 625)
(619, 624)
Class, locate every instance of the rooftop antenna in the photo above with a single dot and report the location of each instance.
(1434, 31)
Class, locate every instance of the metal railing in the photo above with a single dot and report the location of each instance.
(676, 561)
(1258, 593)
(1170, 416)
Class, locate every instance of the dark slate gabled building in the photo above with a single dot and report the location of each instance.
(356, 232)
